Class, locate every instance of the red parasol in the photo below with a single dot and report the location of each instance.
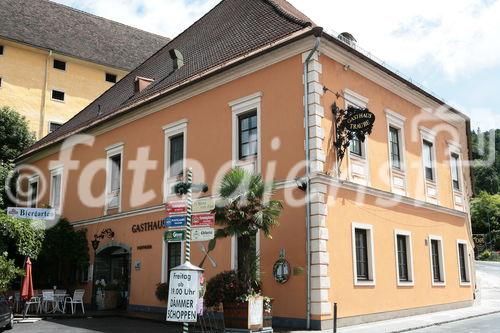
(27, 290)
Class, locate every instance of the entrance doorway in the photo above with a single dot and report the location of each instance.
(112, 264)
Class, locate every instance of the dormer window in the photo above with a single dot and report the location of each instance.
(141, 83)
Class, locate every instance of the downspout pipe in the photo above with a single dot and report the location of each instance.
(317, 33)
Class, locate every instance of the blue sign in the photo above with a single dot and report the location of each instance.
(175, 221)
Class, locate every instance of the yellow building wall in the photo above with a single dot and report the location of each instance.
(386, 295)
(23, 73)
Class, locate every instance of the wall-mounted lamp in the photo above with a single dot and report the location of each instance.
(301, 183)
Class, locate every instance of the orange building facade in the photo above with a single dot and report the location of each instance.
(388, 231)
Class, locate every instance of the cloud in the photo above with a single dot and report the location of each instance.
(164, 17)
(459, 37)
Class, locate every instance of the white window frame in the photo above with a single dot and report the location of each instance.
(467, 263)
(164, 256)
(31, 180)
(370, 253)
(54, 172)
(239, 107)
(111, 151)
(172, 130)
(397, 121)
(454, 148)
(57, 100)
(441, 261)
(409, 259)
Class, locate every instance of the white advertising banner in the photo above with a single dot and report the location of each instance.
(202, 234)
(32, 213)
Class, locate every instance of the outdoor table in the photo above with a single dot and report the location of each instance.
(59, 298)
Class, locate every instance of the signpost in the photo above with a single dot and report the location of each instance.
(203, 220)
(175, 236)
(202, 234)
(32, 213)
(176, 221)
(203, 205)
(176, 207)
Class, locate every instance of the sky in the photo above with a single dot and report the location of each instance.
(451, 47)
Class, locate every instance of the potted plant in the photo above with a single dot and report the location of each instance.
(246, 206)
(99, 295)
(268, 312)
(111, 295)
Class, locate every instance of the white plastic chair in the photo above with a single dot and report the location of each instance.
(75, 300)
(48, 297)
(33, 301)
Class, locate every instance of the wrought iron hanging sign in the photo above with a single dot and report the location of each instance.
(350, 123)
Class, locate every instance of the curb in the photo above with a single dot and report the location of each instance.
(446, 322)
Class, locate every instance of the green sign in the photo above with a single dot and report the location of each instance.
(175, 235)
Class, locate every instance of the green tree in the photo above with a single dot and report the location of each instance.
(8, 272)
(19, 238)
(485, 214)
(64, 251)
(486, 176)
(246, 206)
(15, 135)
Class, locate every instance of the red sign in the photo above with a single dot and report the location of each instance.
(203, 220)
(176, 207)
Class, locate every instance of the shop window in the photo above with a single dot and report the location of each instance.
(463, 262)
(455, 171)
(33, 192)
(59, 64)
(58, 95)
(364, 268)
(437, 260)
(428, 160)
(404, 258)
(175, 151)
(395, 146)
(356, 147)
(248, 137)
(111, 77)
(56, 189)
(176, 155)
(114, 177)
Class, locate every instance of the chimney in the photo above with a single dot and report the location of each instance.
(177, 58)
(141, 83)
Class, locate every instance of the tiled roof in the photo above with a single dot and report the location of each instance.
(231, 29)
(71, 32)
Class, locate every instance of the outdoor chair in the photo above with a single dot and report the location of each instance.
(36, 301)
(75, 300)
(48, 298)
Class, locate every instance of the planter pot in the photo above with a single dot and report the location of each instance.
(111, 299)
(268, 320)
(99, 300)
(244, 315)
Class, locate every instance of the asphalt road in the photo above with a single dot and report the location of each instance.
(89, 325)
(483, 324)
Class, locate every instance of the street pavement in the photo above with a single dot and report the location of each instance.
(483, 317)
(487, 301)
(90, 325)
(489, 323)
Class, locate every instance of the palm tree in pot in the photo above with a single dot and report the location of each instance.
(245, 207)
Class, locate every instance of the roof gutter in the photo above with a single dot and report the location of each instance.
(317, 33)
